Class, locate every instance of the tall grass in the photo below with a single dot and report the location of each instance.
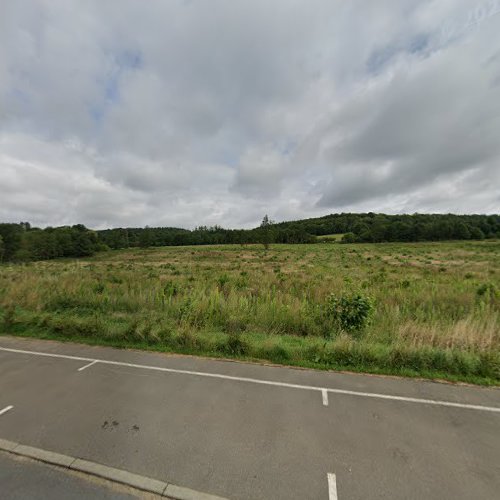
(436, 305)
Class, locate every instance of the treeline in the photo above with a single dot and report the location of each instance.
(21, 242)
(267, 233)
(371, 227)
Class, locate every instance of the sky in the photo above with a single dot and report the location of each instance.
(123, 113)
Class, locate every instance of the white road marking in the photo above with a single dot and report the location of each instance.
(86, 366)
(324, 393)
(332, 486)
(6, 409)
(264, 382)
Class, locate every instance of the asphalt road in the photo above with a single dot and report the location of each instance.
(23, 479)
(246, 431)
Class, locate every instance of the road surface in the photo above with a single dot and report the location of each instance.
(247, 431)
(24, 479)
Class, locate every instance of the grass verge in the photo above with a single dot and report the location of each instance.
(343, 353)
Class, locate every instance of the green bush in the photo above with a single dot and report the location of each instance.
(349, 238)
(350, 312)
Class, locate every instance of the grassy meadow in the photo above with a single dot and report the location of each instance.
(435, 307)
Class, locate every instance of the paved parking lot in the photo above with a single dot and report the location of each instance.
(24, 479)
(246, 431)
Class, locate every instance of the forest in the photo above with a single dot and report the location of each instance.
(20, 242)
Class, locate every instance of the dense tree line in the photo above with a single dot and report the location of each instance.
(371, 227)
(21, 242)
(216, 235)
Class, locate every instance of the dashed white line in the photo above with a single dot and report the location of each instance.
(87, 365)
(6, 409)
(324, 394)
(332, 486)
(374, 395)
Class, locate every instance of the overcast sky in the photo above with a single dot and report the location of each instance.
(182, 113)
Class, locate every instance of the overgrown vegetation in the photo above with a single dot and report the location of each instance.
(430, 309)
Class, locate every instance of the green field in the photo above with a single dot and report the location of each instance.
(435, 306)
(329, 238)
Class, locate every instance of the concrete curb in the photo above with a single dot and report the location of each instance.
(136, 481)
(43, 456)
(119, 476)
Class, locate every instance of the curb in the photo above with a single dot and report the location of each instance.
(121, 476)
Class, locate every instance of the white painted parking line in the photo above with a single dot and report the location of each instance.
(374, 395)
(87, 365)
(6, 409)
(46, 354)
(324, 394)
(332, 486)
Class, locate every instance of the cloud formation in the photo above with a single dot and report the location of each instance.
(190, 112)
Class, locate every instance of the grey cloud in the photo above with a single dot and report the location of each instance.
(185, 113)
(436, 119)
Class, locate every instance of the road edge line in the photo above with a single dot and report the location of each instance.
(221, 376)
(136, 481)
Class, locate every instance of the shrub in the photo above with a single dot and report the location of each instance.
(350, 312)
(349, 238)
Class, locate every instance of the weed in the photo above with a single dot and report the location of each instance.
(487, 291)
(9, 317)
(170, 289)
(222, 281)
(233, 346)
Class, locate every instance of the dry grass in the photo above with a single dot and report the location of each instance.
(471, 334)
(441, 296)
